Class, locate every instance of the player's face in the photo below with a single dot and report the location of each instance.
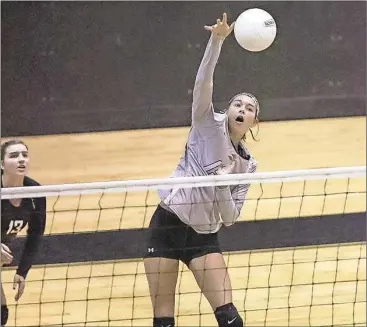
(16, 160)
(241, 114)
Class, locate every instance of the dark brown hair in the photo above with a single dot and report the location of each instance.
(6, 144)
(252, 134)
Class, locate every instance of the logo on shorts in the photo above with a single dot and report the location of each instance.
(150, 250)
(230, 321)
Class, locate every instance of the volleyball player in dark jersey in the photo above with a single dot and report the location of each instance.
(16, 214)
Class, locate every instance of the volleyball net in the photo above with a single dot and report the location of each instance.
(296, 255)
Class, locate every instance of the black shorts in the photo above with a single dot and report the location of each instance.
(170, 238)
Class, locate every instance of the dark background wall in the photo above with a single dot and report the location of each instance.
(94, 66)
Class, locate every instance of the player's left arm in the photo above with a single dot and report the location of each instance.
(231, 203)
(36, 229)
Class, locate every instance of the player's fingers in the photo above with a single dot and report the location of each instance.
(208, 28)
(218, 21)
(4, 261)
(8, 260)
(226, 170)
(224, 20)
(230, 167)
(6, 248)
(6, 257)
(15, 284)
(19, 294)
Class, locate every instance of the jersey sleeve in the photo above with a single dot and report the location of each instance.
(202, 106)
(231, 203)
(36, 229)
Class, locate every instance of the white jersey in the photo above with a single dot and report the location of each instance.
(209, 146)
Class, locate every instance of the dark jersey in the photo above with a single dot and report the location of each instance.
(32, 213)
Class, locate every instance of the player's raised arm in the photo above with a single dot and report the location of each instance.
(203, 89)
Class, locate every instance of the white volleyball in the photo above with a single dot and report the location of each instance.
(255, 30)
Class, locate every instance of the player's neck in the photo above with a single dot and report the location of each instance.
(235, 138)
(12, 181)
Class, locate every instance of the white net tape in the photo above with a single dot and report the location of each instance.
(183, 182)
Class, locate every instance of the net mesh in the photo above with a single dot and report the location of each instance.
(297, 276)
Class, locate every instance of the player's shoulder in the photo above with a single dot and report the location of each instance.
(28, 181)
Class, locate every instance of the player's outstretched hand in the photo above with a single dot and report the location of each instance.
(19, 282)
(221, 28)
(6, 256)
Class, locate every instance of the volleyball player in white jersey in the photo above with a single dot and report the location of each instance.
(185, 224)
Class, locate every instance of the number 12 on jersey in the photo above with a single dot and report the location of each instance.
(14, 226)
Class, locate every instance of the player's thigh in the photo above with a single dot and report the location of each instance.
(161, 273)
(162, 276)
(212, 276)
(161, 260)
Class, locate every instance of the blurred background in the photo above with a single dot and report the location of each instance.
(101, 66)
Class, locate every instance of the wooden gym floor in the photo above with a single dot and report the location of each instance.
(298, 286)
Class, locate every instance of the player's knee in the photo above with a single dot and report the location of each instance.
(4, 315)
(227, 316)
(164, 322)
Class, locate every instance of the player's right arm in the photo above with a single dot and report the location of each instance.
(35, 232)
(203, 88)
(231, 203)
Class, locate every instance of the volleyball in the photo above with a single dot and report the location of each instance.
(255, 30)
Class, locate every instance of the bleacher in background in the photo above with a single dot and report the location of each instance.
(95, 66)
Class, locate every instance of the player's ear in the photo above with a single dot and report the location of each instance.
(2, 166)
